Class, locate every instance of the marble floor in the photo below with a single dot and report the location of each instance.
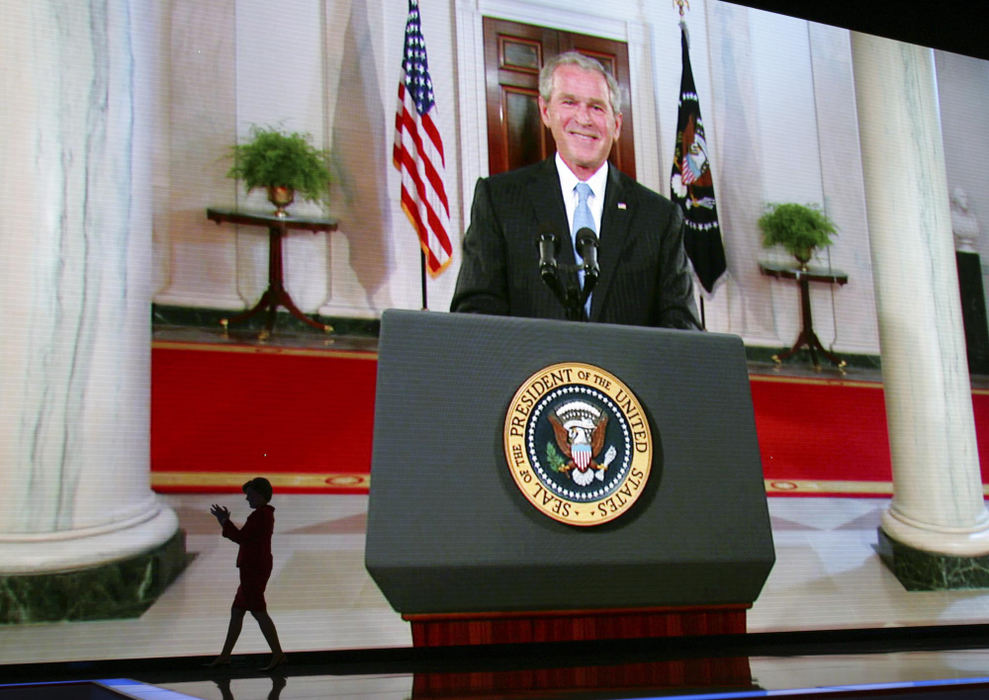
(827, 577)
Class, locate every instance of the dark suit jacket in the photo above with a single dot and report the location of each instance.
(254, 539)
(644, 279)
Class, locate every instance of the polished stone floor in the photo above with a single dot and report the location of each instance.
(827, 577)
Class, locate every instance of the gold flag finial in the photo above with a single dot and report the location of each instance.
(682, 5)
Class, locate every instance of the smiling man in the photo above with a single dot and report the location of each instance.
(582, 117)
(644, 279)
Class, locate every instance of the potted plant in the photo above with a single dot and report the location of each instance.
(282, 162)
(799, 228)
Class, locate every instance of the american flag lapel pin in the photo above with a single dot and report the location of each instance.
(622, 206)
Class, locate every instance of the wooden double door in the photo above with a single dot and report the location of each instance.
(513, 55)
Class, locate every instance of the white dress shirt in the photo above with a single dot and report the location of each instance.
(597, 182)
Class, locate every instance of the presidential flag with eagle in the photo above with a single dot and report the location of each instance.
(692, 183)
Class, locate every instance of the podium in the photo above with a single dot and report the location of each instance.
(463, 552)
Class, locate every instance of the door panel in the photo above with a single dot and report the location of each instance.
(525, 136)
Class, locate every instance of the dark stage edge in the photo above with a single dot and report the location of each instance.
(494, 658)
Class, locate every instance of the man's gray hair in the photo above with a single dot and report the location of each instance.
(575, 58)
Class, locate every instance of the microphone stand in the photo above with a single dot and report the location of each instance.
(572, 297)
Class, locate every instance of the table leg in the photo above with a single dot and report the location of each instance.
(275, 295)
(285, 300)
(808, 338)
(815, 343)
(266, 299)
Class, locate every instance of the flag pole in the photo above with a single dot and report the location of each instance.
(422, 271)
(682, 6)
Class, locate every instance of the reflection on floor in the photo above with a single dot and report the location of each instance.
(827, 577)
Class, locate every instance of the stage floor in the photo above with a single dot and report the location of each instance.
(827, 577)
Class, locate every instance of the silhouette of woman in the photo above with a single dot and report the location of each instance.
(254, 563)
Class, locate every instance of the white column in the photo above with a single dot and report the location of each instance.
(75, 238)
(937, 504)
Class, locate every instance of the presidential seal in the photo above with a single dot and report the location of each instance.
(578, 444)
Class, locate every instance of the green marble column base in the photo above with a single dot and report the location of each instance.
(918, 570)
(118, 589)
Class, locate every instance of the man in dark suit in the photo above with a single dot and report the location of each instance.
(644, 278)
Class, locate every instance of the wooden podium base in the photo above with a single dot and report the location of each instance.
(459, 629)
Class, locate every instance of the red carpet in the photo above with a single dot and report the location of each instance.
(828, 437)
(221, 415)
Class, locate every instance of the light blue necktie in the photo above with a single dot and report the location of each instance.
(582, 219)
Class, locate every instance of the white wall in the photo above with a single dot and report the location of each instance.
(776, 95)
(963, 87)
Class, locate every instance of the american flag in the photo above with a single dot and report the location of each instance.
(418, 152)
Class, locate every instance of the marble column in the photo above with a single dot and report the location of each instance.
(937, 523)
(77, 516)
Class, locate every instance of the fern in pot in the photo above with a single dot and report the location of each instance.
(284, 163)
(800, 229)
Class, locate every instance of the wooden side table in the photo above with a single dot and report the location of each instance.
(275, 295)
(807, 338)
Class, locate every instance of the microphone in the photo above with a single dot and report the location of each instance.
(587, 249)
(549, 245)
